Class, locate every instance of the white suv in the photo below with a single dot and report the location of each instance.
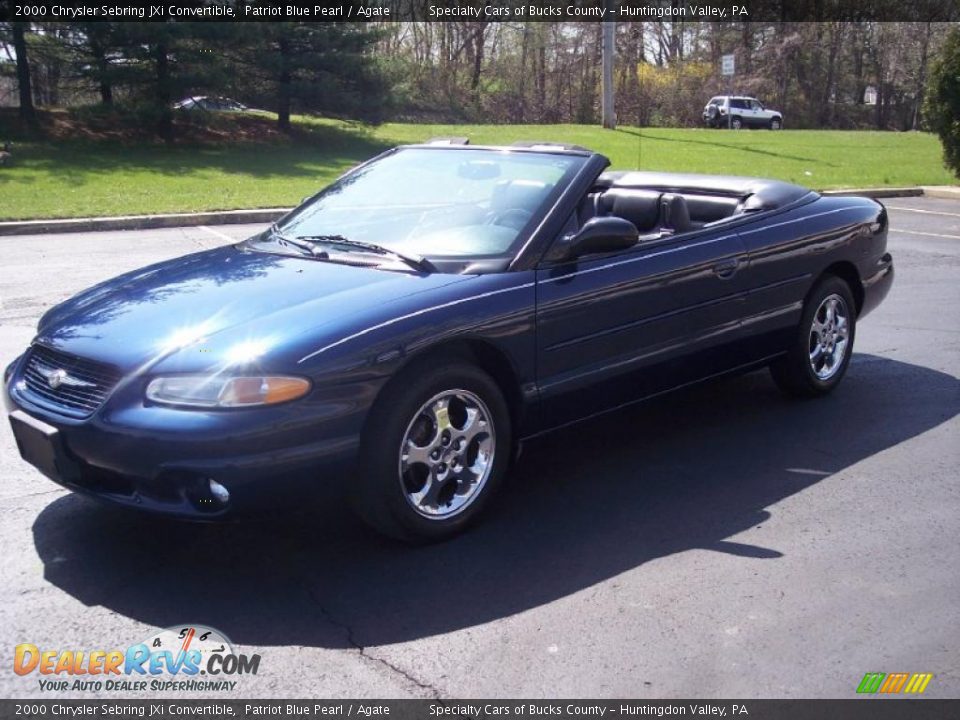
(738, 112)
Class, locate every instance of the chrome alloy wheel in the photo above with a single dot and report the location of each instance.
(829, 337)
(447, 454)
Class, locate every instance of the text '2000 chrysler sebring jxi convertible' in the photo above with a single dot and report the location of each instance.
(399, 333)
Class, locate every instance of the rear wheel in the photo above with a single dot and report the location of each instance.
(434, 451)
(736, 123)
(820, 354)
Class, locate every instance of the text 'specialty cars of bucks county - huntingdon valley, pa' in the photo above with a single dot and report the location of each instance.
(396, 336)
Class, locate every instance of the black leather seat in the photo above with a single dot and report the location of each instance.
(641, 207)
(674, 214)
(589, 208)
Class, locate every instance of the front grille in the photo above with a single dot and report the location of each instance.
(78, 386)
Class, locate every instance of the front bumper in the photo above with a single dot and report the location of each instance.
(162, 459)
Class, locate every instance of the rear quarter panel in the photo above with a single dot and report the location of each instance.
(790, 251)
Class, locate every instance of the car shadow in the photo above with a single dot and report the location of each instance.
(314, 151)
(686, 471)
(730, 146)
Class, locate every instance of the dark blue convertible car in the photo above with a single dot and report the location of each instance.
(402, 331)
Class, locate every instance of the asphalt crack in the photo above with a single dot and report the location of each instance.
(362, 650)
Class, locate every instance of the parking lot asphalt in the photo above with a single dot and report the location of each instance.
(722, 541)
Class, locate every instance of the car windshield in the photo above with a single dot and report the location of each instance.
(438, 202)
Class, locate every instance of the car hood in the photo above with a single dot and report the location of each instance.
(200, 307)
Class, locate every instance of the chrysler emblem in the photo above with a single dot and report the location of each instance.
(56, 377)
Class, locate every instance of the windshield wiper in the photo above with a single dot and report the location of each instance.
(301, 243)
(415, 261)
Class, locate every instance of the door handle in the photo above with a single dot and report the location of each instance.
(727, 268)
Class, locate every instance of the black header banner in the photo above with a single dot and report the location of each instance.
(862, 709)
(480, 10)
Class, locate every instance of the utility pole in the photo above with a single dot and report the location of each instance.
(609, 116)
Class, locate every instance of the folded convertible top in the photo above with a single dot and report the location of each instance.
(758, 193)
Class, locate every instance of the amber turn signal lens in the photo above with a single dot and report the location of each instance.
(242, 391)
(213, 391)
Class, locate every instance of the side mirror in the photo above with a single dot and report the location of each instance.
(602, 235)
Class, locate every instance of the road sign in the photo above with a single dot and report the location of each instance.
(726, 64)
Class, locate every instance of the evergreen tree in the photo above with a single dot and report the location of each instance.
(18, 31)
(98, 55)
(162, 61)
(313, 67)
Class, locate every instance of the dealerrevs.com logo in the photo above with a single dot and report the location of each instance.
(181, 658)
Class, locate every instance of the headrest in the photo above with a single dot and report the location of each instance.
(676, 216)
(641, 207)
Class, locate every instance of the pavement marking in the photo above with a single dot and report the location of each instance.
(925, 212)
(925, 234)
(217, 233)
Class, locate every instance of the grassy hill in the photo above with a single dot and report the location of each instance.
(85, 164)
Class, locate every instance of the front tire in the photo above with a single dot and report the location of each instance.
(776, 124)
(820, 353)
(435, 450)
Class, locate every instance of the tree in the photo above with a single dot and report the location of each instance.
(161, 61)
(313, 67)
(50, 60)
(19, 30)
(942, 107)
(96, 45)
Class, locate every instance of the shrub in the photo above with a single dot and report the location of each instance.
(942, 104)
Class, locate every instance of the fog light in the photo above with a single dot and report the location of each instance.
(219, 492)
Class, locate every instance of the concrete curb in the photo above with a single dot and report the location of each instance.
(945, 192)
(265, 215)
(140, 222)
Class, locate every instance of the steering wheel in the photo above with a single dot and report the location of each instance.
(514, 218)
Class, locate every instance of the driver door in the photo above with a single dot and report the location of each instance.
(615, 328)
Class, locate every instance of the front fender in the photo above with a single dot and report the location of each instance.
(495, 311)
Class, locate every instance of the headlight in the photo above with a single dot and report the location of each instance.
(206, 391)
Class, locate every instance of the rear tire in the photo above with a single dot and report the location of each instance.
(736, 123)
(435, 449)
(820, 353)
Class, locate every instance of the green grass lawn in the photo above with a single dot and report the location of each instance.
(76, 178)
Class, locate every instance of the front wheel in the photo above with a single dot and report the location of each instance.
(776, 124)
(820, 354)
(436, 446)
